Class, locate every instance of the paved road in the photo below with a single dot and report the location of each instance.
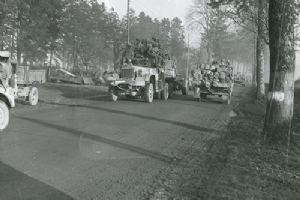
(90, 148)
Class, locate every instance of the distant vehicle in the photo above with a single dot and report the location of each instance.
(215, 82)
(181, 84)
(240, 79)
(223, 90)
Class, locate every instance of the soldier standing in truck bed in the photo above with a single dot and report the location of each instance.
(155, 53)
(138, 49)
(128, 54)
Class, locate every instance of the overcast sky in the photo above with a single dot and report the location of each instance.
(155, 8)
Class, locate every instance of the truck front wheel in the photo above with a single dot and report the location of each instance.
(113, 96)
(171, 89)
(149, 93)
(165, 92)
(33, 96)
(4, 116)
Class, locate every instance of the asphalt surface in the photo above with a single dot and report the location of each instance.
(86, 147)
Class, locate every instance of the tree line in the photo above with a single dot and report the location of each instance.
(82, 33)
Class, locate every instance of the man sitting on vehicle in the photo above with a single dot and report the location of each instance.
(5, 68)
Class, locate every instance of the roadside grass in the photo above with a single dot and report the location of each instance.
(247, 169)
(236, 165)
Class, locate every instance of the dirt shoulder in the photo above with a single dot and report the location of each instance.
(236, 165)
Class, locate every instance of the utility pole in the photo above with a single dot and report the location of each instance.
(128, 22)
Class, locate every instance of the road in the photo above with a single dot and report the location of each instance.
(85, 147)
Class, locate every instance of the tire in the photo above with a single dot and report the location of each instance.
(202, 96)
(228, 99)
(149, 93)
(113, 96)
(171, 89)
(4, 116)
(157, 95)
(165, 92)
(33, 96)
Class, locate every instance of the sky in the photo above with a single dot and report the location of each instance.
(155, 8)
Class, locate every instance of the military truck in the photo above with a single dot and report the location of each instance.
(140, 81)
(143, 75)
(10, 90)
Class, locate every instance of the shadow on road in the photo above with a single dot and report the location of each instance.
(15, 185)
(101, 139)
(190, 98)
(77, 91)
(168, 121)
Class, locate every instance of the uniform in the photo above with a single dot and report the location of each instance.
(196, 81)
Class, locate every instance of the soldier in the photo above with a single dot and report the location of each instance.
(128, 54)
(196, 81)
(138, 49)
(155, 53)
(197, 75)
(144, 48)
(5, 67)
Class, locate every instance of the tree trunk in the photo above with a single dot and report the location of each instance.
(260, 92)
(208, 50)
(2, 40)
(116, 50)
(75, 52)
(51, 58)
(280, 106)
(254, 82)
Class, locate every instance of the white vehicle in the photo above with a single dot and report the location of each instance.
(10, 90)
(140, 81)
(7, 101)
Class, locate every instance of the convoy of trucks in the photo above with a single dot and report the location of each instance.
(146, 72)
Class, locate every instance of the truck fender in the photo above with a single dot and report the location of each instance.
(6, 101)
